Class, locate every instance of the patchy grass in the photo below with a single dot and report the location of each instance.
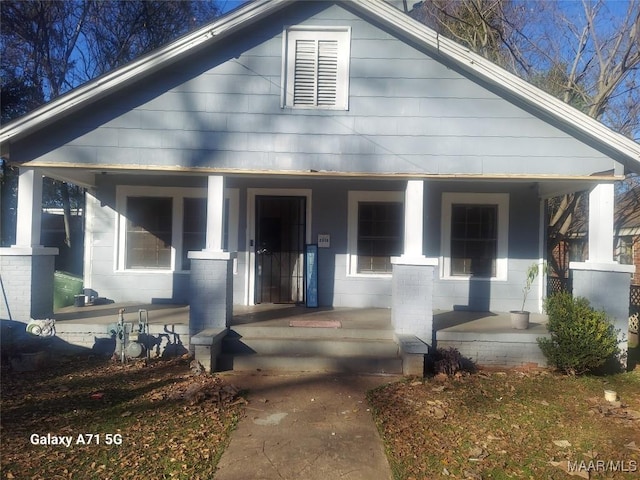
(510, 425)
(133, 421)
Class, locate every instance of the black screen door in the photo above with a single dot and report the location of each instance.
(280, 239)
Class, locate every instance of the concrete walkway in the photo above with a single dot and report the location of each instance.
(305, 426)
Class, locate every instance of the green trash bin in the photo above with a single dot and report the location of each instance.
(65, 287)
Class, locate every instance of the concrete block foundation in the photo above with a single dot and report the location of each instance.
(26, 282)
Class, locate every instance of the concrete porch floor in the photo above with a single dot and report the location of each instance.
(279, 315)
(265, 315)
(485, 322)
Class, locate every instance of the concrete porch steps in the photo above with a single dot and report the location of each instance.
(304, 349)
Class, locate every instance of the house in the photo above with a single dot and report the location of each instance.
(626, 242)
(627, 231)
(216, 164)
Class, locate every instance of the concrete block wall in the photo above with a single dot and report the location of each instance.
(412, 297)
(211, 293)
(165, 340)
(607, 288)
(27, 284)
(495, 350)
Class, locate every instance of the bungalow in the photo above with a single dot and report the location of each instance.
(408, 170)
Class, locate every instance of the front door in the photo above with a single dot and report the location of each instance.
(280, 239)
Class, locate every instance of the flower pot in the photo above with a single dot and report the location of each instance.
(519, 320)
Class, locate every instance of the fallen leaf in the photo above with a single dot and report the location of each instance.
(477, 453)
(632, 446)
(439, 413)
(562, 443)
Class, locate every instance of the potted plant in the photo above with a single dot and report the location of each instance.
(520, 318)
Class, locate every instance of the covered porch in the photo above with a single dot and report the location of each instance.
(418, 283)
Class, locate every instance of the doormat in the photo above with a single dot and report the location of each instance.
(316, 323)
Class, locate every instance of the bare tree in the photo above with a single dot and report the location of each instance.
(587, 54)
(52, 46)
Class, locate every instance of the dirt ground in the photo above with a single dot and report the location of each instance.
(93, 418)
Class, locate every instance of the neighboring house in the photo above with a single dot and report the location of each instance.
(627, 231)
(626, 240)
(419, 169)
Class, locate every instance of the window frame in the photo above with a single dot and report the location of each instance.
(501, 201)
(355, 197)
(132, 231)
(303, 32)
(177, 194)
(624, 247)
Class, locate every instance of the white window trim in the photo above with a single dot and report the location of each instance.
(316, 32)
(177, 194)
(502, 202)
(354, 198)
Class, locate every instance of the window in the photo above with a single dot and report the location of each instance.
(376, 231)
(160, 225)
(475, 235)
(194, 228)
(316, 67)
(149, 229)
(578, 250)
(474, 240)
(624, 250)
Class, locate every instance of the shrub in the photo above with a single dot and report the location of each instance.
(582, 339)
(448, 361)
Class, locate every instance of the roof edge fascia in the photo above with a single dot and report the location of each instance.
(492, 73)
(99, 87)
(160, 169)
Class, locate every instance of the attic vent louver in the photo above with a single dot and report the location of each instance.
(317, 64)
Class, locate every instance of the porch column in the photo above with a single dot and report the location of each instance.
(413, 218)
(602, 281)
(601, 206)
(29, 216)
(215, 213)
(26, 268)
(211, 278)
(413, 273)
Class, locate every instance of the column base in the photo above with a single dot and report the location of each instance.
(412, 297)
(606, 286)
(27, 282)
(210, 290)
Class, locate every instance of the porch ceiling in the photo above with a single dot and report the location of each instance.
(548, 186)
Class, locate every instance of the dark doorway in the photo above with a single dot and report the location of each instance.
(280, 239)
